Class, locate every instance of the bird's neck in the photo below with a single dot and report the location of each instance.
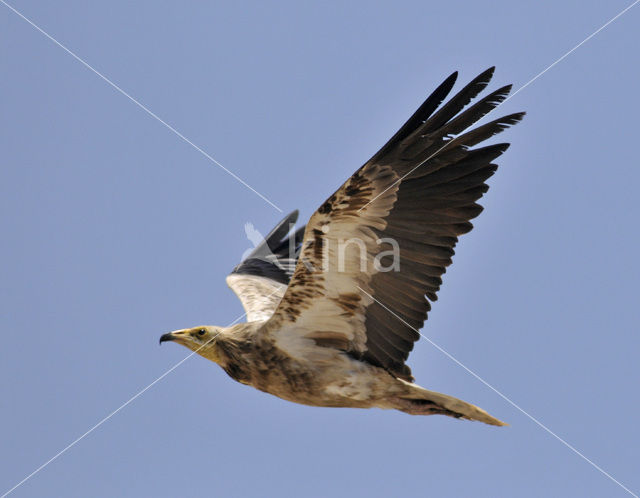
(235, 347)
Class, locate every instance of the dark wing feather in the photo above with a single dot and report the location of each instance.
(276, 256)
(421, 190)
(262, 278)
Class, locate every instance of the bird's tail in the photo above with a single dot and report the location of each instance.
(420, 401)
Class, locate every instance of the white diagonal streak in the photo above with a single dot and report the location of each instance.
(623, 11)
(506, 398)
(140, 105)
(130, 400)
(447, 144)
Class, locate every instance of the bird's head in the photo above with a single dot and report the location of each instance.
(201, 340)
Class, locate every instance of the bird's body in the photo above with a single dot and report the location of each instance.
(302, 373)
(333, 315)
(317, 376)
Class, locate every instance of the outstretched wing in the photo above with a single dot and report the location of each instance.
(261, 279)
(380, 244)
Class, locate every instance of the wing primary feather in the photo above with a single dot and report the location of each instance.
(457, 102)
(420, 116)
(421, 189)
(260, 280)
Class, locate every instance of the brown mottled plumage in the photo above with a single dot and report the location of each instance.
(340, 332)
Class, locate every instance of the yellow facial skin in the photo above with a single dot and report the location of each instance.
(200, 340)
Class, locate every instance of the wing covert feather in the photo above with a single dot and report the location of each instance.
(420, 190)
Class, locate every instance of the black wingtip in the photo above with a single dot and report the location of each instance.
(292, 217)
(276, 235)
(487, 74)
(514, 118)
(505, 90)
(451, 79)
(483, 78)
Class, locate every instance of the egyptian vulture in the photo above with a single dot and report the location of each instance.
(333, 312)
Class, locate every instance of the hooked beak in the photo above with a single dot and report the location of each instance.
(167, 337)
(171, 336)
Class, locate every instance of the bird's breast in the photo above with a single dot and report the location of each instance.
(328, 379)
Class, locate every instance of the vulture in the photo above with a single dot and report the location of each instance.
(334, 308)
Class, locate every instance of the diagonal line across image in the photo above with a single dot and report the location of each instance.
(503, 396)
(566, 54)
(142, 106)
(276, 207)
(107, 417)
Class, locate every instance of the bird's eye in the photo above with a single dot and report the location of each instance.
(201, 332)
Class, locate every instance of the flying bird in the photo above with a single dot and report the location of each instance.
(334, 309)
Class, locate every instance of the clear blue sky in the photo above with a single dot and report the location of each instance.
(114, 230)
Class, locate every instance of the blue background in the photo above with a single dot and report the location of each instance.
(114, 230)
